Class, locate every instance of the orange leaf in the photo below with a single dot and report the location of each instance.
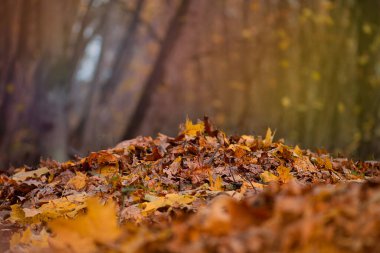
(83, 234)
(268, 176)
(284, 174)
(193, 129)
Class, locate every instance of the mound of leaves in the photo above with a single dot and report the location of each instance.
(201, 191)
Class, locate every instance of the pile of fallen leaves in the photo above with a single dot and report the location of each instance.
(202, 191)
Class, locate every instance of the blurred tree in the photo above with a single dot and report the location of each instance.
(155, 77)
(35, 62)
(368, 102)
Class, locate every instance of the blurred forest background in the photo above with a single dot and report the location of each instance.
(82, 75)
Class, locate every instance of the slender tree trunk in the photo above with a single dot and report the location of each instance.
(101, 92)
(125, 53)
(246, 70)
(172, 34)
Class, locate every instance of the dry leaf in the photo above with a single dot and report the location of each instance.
(66, 206)
(23, 175)
(268, 138)
(268, 176)
(33, 242)
(284, 174)
(193, 129)
(216, 185)
(168, 200)
(98, 226)
(78, 182)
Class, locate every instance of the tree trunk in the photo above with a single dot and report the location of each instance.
(32, 75)
(171, 37)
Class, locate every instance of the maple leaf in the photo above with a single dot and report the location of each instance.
(23, 175)
(239, 150)
(303, 164)
(193, 129)
(235, 147)
(104, 163)
(174, 168)
(29, 240)
(248, 140)
(268, 138)
(168, 200)
(297, 151)
(78, 182)
(284, 174)
(268, 176)
(216, 185)
(83, 234)
(325, 162)
(251, 185)
(66, 206)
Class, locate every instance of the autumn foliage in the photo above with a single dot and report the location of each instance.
(202, 191)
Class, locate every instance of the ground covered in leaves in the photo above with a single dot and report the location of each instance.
(202, 191)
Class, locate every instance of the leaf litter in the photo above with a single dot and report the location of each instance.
(200, 191)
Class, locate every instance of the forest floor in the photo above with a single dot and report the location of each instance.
(202, 191)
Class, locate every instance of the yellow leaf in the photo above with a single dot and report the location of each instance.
(325, 162)
(235, 147)
(66, 206)
(29, 240)
(248, 140)
(108, 170)
(251, 185)
(216, 185)
(268, 138)
(284, 174)
(23, 175)
(78, 182)
(168, 200)
(268, 176)
(193, 129)
(17, 214)
(297, 151)
(98, 226)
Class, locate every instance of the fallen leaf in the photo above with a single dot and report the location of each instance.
(34, 242)
(268, 138)
(297, 151)
(216, 185)
(98, 226)
(66, 206)
(78, 182)
(23, 175)
(193, 129)
(303, 163)
(248, 140)
(168, 200)
(284, 174)
(325, 162)
(268, 176)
